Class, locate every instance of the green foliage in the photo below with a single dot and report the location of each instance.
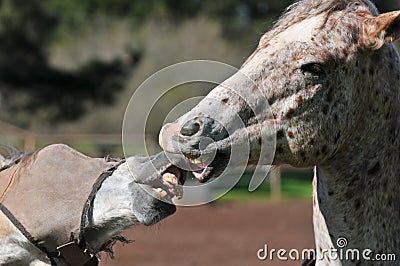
(294, 184)
(76, 12)
(30, 83)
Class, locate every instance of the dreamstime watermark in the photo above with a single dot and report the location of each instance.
(341, 253)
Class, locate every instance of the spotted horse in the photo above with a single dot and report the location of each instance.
(331, 74)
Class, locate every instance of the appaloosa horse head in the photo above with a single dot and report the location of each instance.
(332, 79)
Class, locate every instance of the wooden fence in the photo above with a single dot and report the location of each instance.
(90, 144)
(96, 145)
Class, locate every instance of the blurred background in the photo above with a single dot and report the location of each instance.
(68, 69)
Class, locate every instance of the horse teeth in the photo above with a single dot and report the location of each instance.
(201, 161)
(172, 183)
(170, 178)
(196, 161)
(161, 192)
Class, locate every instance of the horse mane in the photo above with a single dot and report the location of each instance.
(303, 9)
(9, 156)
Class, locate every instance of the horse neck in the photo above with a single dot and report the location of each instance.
(359, 186)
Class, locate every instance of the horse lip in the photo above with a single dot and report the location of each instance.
(202, 177)
(167, 132)
(173, 142)
(188, 146)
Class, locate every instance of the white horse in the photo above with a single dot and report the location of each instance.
(60, 207)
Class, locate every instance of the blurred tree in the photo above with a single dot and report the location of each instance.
(28, 82)
(235, 16)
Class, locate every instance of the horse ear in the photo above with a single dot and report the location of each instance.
(381, 30)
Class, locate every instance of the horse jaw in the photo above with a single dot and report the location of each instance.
(121, 203)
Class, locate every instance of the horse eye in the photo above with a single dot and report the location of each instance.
(314, 69)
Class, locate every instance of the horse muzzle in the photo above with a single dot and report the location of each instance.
(200, 140)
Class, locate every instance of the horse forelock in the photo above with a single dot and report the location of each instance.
(303, 9)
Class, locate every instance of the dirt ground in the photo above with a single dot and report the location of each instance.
(219, 234)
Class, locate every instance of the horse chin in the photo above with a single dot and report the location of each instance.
(161, 211)
(154, 202)
(147, 209)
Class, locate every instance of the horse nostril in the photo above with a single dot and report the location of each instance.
(190, 128)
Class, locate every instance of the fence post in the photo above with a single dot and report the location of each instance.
(30, 142)
(275, 179)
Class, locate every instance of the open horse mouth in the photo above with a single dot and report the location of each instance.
(170, 184)
(156, 182)
(159, 173)
(204, 169)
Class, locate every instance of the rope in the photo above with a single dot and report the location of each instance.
(22, 229)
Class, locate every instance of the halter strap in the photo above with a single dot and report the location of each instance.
(71, 252)
(22, 229)
(87, 213)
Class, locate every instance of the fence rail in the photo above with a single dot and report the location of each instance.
(92, 144)
(96, 145)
